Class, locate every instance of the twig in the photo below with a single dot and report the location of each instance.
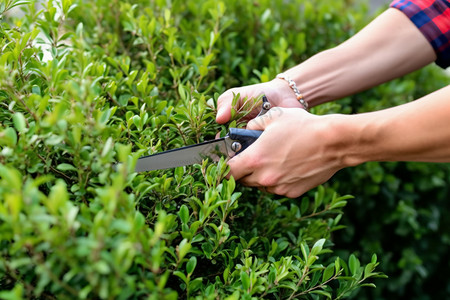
(300, 281)
(317, 286)
(52, 168)
(313, 214)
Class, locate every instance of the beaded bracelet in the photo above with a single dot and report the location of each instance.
(295, 89)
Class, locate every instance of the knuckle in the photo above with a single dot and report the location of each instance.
(253, 161)
(255, 123)
(280, 190)
(234, 165)
(292, 194)
(268, 180)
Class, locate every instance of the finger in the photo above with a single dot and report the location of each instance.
(240, 165)
(224, 103)
(291, 190)
(251, 181)
(237, 170)
(258, 123)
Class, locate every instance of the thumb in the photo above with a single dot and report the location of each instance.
(260, 123)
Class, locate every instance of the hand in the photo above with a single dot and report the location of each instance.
(277, 92)
(297, 152)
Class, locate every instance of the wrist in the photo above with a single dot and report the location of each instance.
(282, 88)
(293, 86)
(352, 139)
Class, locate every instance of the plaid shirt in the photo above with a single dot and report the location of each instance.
(432, 17)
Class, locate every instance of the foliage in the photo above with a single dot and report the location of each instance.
(400, 209)
(89, 86)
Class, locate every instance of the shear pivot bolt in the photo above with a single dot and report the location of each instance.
(236, 146)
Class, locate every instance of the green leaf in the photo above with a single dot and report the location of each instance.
(245, 279)
(181, 276)
(203, 71)
(190, 266)
(19, 122)
(184, 214)
(322, 293)
(328, 273)
(195, 284)
(108, 146)
(317, 247)
(372, 285)
(337, 265)
(305, 250)
(35, 89)
(235, 296)
(102, 267)
(66, 167)
(370, 267)
(139, 220)
(272, 275)
(15, 294)
(9, 136)
(17, 3)
(182, 92)
(167, 15)
(338, 204)
(374, 258)
(353, 264)
(304, 205)
(318, 197)
(183, 249)
(53, 140)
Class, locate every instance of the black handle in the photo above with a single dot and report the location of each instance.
(245, 137)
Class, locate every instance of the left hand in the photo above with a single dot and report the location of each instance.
(296, 152)
(277, 91)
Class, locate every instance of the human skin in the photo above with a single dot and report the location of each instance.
(299, 151)
(374, 55)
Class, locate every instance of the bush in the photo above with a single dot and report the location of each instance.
(88, 84)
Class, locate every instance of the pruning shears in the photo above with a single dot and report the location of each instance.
(236, 141)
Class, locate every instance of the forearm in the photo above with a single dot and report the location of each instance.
(387, 48)
(314, 147)
(416, 131)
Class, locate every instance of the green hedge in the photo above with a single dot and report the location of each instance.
(121, 79)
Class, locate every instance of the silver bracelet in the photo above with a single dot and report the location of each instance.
(295, 89)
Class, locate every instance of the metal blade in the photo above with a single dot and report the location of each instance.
(182, 156)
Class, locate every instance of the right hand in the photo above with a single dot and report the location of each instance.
(296, 152)
(277, 92)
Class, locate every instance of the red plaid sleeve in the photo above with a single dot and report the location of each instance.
(432, 18)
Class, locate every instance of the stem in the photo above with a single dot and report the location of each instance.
(300, 281)
(317, 286)
(181, 134)
(55, 278)
(52, 168)
(12, 274)
(27, 108)
(313, 214)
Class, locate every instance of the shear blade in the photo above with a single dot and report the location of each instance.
(184, 156)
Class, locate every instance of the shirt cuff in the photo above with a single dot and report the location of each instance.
(432, 18)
